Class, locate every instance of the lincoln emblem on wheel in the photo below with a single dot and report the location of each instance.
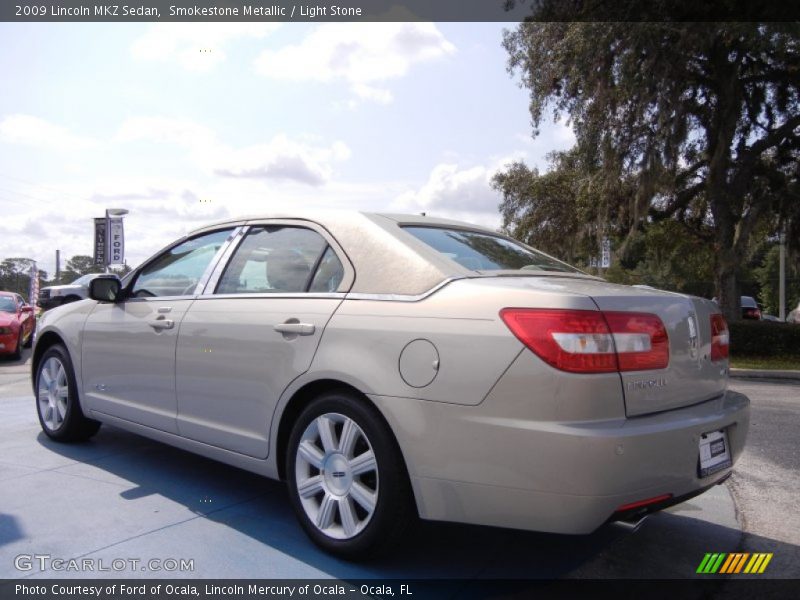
(394, 367)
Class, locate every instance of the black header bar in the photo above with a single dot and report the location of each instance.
(399, 10)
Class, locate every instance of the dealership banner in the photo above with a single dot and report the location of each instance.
(116, 242)
(100, 241)
(33, 290)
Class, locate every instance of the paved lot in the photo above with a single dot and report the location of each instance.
(120, 496)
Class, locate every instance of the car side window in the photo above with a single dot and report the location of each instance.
(274, 259)
(177, 271)
(329, 274)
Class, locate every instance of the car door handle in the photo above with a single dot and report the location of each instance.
(161, 324)
(295, 328)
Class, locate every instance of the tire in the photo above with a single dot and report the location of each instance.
(17, 354)
(351, 493)
(57, 403)
(29, 341)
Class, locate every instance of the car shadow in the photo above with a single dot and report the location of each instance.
(667, 546)
(6, 360)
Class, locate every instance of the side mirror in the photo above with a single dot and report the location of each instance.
(26, 309)
(105, 289)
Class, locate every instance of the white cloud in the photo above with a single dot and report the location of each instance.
(360, 54)
(282, 159)
(457, 193)
(194, 46)
(33, 131)
(60, 216)
(307, 160)
(183, 132)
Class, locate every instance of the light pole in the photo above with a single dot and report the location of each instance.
(111, 212)
(782, 276)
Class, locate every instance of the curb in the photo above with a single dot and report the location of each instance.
(765, 374)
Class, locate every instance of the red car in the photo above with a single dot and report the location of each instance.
(17, 323)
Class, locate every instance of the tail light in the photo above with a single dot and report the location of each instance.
(590, 341)
(720, 338)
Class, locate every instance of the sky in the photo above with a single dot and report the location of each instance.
(184, 124)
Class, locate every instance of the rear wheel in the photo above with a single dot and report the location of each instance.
(347, 479)
(57, 404)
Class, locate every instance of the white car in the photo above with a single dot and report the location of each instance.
(56, 295)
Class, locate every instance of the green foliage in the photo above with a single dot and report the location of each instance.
(767, 275)
(764, 339)
(693, 122)
(15, 275)
(77, 266)
(664, 256)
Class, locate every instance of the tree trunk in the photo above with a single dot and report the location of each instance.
(727, 284)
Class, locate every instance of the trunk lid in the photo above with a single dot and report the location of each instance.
(690, 377)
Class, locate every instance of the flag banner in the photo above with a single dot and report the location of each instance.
(100, 241)
(33, 290)
(116, 242)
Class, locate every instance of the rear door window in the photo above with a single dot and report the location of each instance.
(481, 251)
(281, 259)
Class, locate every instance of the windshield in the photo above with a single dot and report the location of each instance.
(7, 304)
(486, 252)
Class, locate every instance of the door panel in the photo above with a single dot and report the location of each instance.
(232, 365)
(128, 348)
(129, 360)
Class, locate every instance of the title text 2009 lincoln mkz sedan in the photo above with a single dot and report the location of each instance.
(389, 366)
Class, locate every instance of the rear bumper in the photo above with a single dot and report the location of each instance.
(473, 465)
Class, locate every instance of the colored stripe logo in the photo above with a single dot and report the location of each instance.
(736, 562)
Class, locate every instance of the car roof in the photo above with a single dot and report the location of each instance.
(386, 259)
(12, 294)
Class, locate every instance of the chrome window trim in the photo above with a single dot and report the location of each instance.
(219, 267)
(230, 241)
(349, 277)
(347, 280)
(403, 297)
(155, 299)
(284, 295)
(204, 277)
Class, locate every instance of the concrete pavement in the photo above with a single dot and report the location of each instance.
(123, 498)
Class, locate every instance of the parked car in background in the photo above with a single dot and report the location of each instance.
(750, 308)
(770, 318)
(395, 366)
(56, 295)
(17, 324)
(794, 315)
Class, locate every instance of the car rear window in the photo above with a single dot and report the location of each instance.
(481, 251)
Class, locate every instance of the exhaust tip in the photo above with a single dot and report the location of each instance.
(632, 524)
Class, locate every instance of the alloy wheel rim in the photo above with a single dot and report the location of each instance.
(53, 393)
(336, 475)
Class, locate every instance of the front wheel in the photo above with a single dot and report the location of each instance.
(29, 341)
(57, 404)
(17, 354)
(347, 479)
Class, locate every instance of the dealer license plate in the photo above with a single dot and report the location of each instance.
(715, 454)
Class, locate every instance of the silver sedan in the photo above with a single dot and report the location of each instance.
(390, 367)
